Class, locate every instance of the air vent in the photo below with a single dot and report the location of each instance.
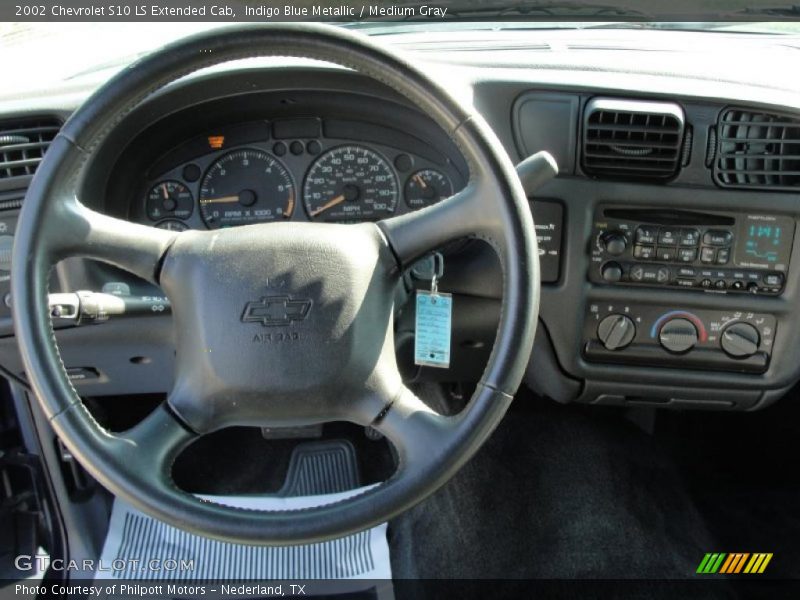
(23, 142)
(632, 139)
(758, 150)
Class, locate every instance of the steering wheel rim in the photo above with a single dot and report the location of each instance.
(55, 224)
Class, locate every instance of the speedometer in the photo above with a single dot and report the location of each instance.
(350, 183)
(246, 186)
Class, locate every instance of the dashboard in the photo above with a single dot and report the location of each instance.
(669, 254)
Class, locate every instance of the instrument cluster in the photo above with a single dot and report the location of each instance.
(238, 177)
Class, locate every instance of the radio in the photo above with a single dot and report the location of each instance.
(718, 252)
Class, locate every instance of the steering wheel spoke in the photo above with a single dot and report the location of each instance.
(89, 234)
(154, 440)
(466, 214)
(146, 451)
(417, 431)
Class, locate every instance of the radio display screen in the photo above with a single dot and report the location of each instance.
(764, 242)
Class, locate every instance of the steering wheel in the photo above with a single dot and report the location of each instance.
(336, 360)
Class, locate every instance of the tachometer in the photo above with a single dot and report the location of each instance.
(350, 183)
(246, 186)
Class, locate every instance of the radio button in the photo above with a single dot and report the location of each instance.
(687, 254)
(652, 274)
(665, 254)
(611, 272)
(715, 237)
(708, 255)
(646, 235)
(686, 272)
(723, 254)
(689, 237)
(644, 252)
(773, 279)
(649, 274)
(669, 237)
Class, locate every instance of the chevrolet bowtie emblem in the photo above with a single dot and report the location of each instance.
(272, 311)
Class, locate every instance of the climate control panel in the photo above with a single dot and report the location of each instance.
(662, 337)
(716, 252)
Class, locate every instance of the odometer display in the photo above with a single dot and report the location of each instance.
(246, 186)
(349, 184)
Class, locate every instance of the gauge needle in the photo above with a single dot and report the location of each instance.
(221, 199)
(420, 181)
(330, 204)
(166, 192)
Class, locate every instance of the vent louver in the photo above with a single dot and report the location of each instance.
(632, 138)
(23, 143)
(758, 150)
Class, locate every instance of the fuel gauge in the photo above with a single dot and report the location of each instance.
(427, 187)
(169, 199)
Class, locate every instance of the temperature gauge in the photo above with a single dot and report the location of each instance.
(427, 187)
(169, 199)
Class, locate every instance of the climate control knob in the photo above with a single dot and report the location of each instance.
(616, 331)
(678, 335)
(740, 340)
(614, 242)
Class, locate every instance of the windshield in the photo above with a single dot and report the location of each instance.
(85, 48)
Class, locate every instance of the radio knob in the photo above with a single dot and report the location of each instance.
(740, 340)
(611, 272)
(678, 335)
(614, 242)
(616, 331)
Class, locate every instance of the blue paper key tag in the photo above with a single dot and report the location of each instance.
(432, 339)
